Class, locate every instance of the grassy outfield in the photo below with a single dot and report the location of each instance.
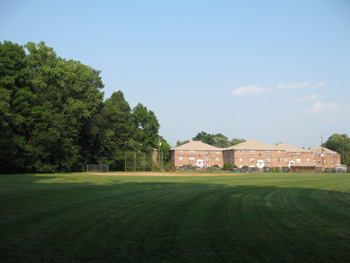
(246, 218)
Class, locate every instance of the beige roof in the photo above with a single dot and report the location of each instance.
(197, 146)
(290, 148)
(318, 150)
(251, 145)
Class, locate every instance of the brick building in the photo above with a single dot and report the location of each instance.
(330, 158)
(196, 153)
(253, 153)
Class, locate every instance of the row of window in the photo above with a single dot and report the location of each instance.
(269, 160)
(200, 154)
(192, 159)
(269, 152)
(207, 165)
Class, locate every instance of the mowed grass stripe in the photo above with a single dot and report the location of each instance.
(250, 218)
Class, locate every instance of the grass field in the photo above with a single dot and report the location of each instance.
(245, 218)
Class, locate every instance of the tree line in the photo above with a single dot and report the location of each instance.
(53, 116)
(218, 140)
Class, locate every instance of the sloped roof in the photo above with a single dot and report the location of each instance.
(318, 150)
(290, 148)
(251, 145)
(197, 146)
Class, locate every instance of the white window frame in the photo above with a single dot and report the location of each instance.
(192, 152)
(252, 151)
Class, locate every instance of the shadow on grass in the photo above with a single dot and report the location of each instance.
(60, 218)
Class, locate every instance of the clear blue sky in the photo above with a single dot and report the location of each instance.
(275, 71)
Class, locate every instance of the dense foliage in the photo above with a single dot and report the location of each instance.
(341, 144)
(53, 117)
(217, 140)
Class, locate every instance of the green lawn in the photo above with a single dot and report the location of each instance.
(247, 218)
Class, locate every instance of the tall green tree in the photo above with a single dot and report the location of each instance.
(18, 109)
(341, 144)
(69, 92)
(112, 129)
(145, 129)
(165, 149)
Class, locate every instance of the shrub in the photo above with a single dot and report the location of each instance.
(169, 167)
(227, 166)
(276, 170)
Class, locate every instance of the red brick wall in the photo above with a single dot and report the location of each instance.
(209, 158)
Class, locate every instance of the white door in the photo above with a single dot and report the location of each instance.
(199, 163)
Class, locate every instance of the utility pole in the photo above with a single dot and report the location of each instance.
(322, 154)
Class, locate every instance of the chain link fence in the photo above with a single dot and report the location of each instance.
(97, 168)
(142, 162)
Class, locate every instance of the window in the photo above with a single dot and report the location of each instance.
(252, 160)
(268, 160)
(252, 151)
(298, 160)
(199, 154)
(298, 153)
(259, 154)
(307, 160)
(279, 152)
(191, 159)
(181, 152)
(218, 159)
(207, 159)
(240, 151)
(192, 152)
(291, 155)
(218, 152)
(180, 158)
(268, 152)
(279, 159)
(240, 159)
(207, 152)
